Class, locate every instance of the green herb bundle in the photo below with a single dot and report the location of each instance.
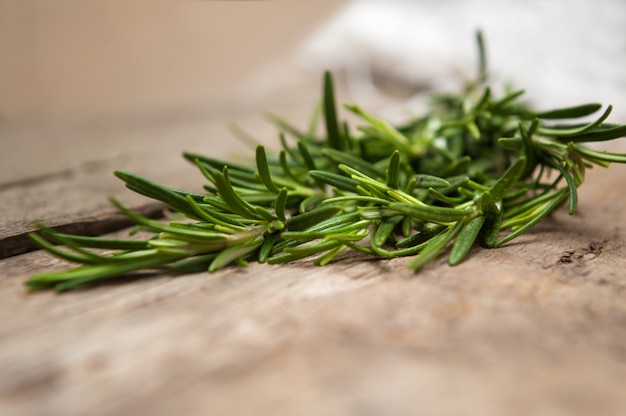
(475, 168)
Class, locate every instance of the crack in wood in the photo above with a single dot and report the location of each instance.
(14, 245)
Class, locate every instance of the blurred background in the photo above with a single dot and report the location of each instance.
(78, 60)
(87, 87)
(73, 60)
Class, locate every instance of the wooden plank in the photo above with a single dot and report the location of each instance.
(535, 327)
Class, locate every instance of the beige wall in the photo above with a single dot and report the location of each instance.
(82, 59)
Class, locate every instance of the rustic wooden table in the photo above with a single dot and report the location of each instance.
(536, 327)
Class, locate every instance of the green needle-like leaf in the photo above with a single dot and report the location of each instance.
(353, 161)
(68, 279)
(393, 170)
(557, 200)
(570, 133)
(437, 245)
(310, 218)
(440, 215)
(335, 139)
(570, 112)
(92, 242)
(264, 170)
(332, 179)
(383, 130)
(150, 189)
(602, 155)
(280, 204)
(231, 197)
(231, 254)
(465, 240)
(430, 181)
(509, 179)
(297, 253)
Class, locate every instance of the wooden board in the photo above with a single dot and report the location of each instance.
(536, 327)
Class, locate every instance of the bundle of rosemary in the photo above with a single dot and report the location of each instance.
(474, 168)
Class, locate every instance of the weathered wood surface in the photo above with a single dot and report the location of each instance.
(536, 327)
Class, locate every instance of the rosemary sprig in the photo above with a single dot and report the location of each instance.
(474, 168)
